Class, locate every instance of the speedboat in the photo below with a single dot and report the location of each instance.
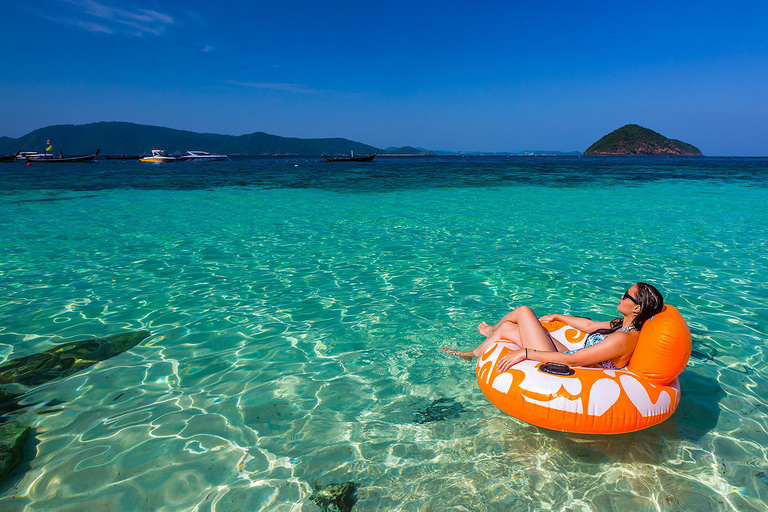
(23, 155)
(158, 155)
(201, 155)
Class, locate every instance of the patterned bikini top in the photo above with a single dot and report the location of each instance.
(597, 337)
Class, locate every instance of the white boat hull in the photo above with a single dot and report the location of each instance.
(201, 155)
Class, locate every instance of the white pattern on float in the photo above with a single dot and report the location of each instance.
(562, 333)
(559, 404)
(640, 399)
(546, 383)
(502, 383)
(602, 396)
(493, 357)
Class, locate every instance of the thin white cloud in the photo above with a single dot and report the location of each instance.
(111, 19)
(275, 86)
(207, 49)
(83, 25)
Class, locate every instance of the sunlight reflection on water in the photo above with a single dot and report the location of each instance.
(295, 335)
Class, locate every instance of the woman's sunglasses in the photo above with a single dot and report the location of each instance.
(628, 296)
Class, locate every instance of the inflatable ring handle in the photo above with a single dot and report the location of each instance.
(557, 369)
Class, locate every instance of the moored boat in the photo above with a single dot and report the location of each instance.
(158, 156)
(351, 158)
(23, 155)
(201, 155)
(62, 159)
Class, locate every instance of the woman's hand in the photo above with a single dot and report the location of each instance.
(548, 318)
(511, 358)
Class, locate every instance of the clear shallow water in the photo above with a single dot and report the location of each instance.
(297, 307)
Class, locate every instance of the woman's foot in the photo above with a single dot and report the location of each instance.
(484, 329)
(466, 356)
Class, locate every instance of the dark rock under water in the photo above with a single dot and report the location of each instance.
(439, 410)
(335, 497)
(12, 438)
(695, 354)
(59, 361)
(67, 358)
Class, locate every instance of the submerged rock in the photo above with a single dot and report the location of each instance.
(701, 356)
(59, 361)
(12, 439)
(335, 497)
(703, 352)
(66, 359)
(439, 410)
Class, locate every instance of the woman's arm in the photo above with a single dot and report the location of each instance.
(616, 345)
(579, 322)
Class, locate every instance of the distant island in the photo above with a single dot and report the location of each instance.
(132, 138)
(406, 151)
(634, 139)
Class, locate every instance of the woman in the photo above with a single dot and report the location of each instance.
(610, 343)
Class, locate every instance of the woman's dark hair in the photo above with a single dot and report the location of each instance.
(650, 301)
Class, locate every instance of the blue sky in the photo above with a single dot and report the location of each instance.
(475, 76)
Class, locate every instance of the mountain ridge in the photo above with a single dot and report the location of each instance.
(116, 137)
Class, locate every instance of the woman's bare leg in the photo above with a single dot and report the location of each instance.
(492, 328)
(514, 317)
(520, 326)
(532, 333)
(487, 330)
(503, 330)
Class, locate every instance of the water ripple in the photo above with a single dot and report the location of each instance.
(295, 334)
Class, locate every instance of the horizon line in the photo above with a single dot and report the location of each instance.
(458, 152)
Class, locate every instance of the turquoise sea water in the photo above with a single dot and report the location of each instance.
(297, 307)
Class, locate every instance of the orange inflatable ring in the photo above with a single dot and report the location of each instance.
(594, 400)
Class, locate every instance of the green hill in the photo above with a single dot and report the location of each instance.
(131, 138)
(633, 139)
(407, 150)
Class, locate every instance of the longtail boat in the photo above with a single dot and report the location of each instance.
(125, 157)
(9, 158)
(62, 159)
(351, 158)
